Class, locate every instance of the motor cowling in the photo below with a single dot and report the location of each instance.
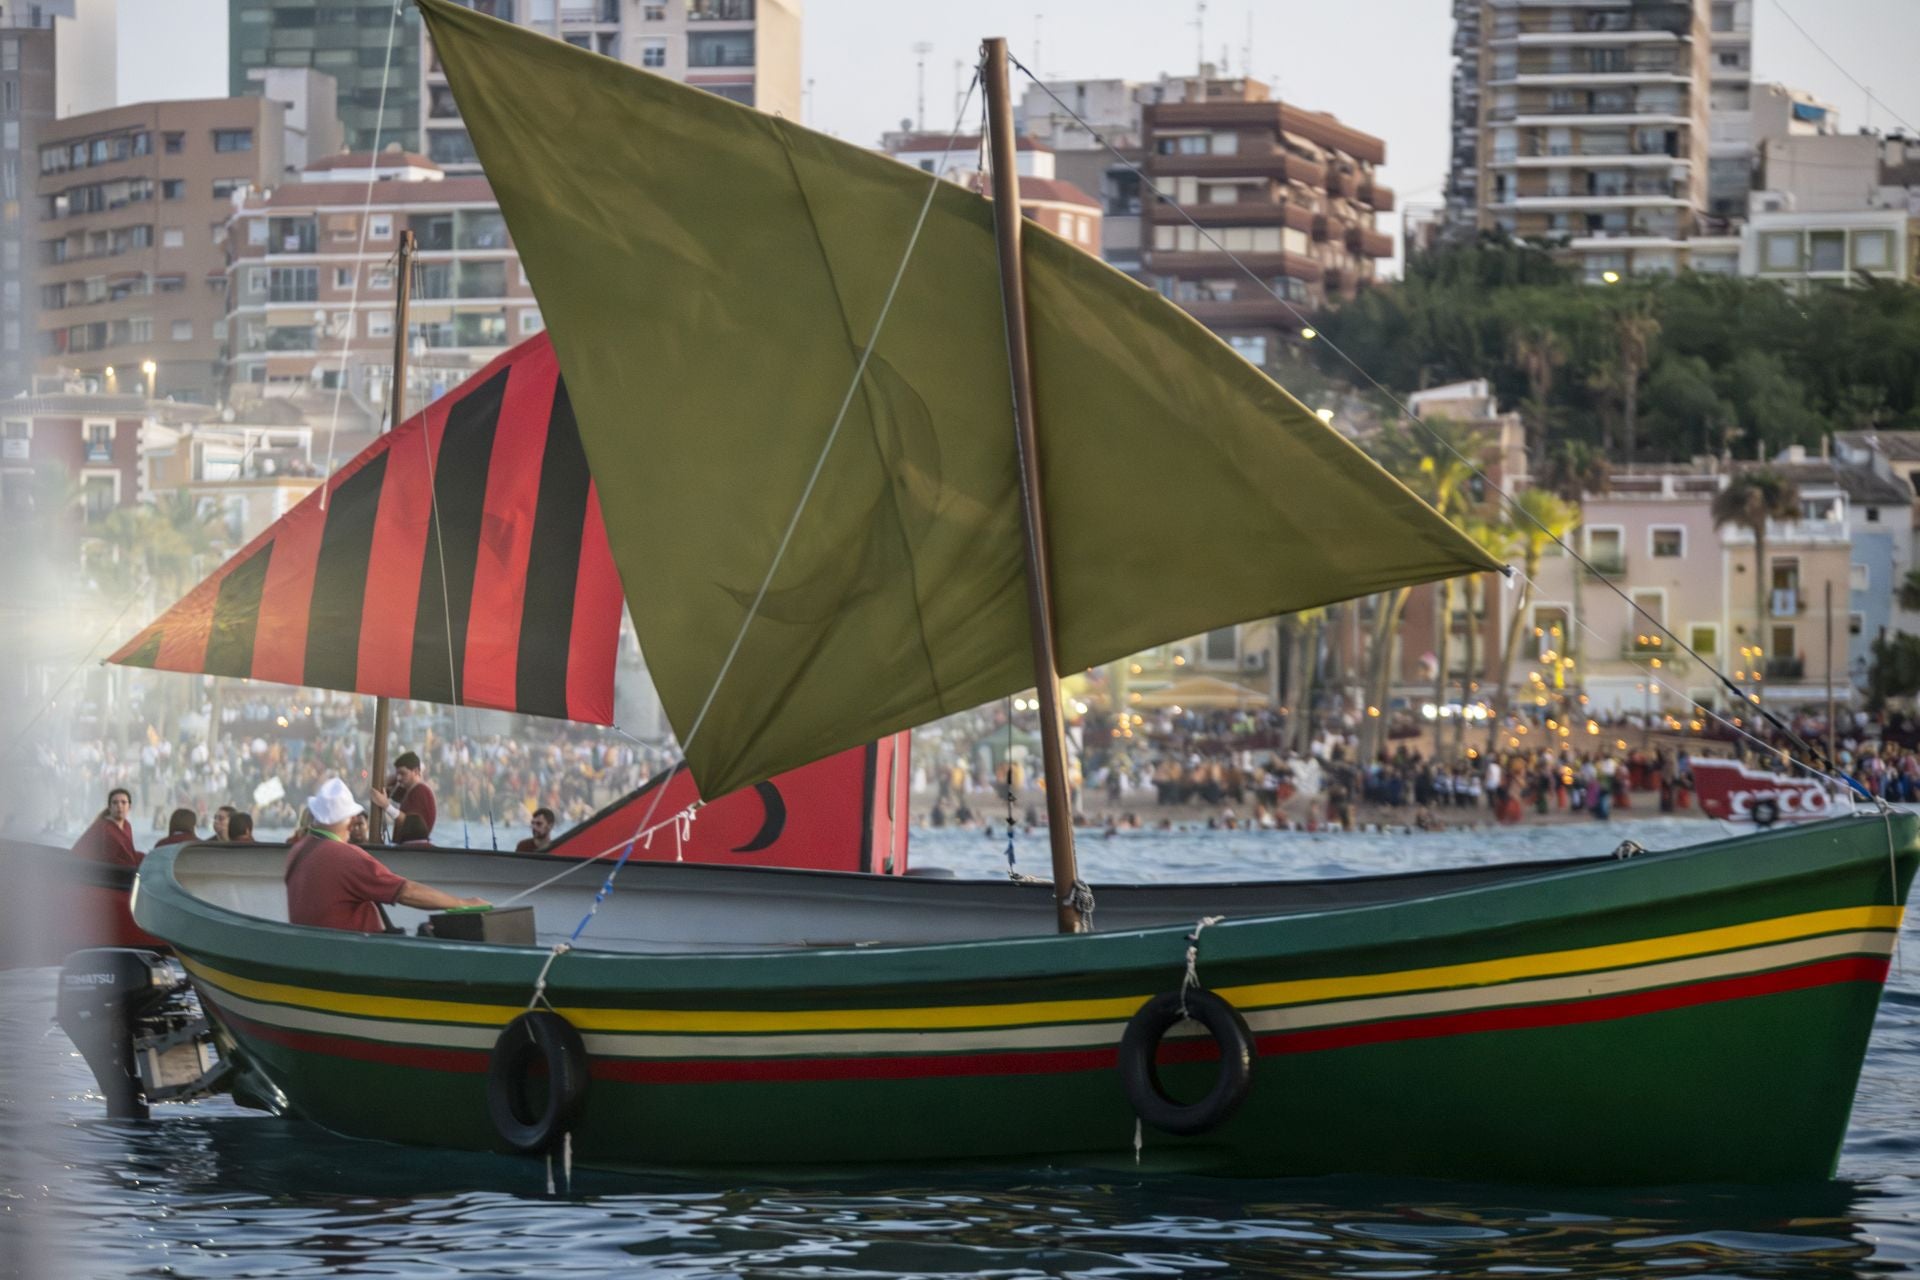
(135, 1020)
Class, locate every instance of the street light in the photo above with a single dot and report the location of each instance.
(149, 368)
(1611, 277)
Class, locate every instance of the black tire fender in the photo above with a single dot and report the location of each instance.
(1765, 811)
(538, 1035)
(1141, 1078)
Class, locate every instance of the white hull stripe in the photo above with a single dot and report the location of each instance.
(1085, 1034)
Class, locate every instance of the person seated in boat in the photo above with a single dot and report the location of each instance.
(361, 832)
(409, 792)
(110, 838)
(411, 832)
(542, 838)
(221, 818)
(180, 830)
(240, 828)
(335, 885)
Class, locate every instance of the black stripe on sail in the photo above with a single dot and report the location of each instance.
(553, 565)
(146, 655)
(236, 613)
(340, 579)
(453, 536)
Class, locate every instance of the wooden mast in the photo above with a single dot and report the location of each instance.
(382, 710)
(1007, 228)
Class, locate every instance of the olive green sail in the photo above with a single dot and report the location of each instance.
(710, 276)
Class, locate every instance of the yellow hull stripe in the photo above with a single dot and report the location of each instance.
(1255, 996)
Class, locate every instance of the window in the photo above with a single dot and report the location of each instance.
(1780, 251)
(720, 49)
(9, 55)
(1827, 251)
(233, 139)
(173, 143)
(140, 329)
(1872, 250)
(1668, 543)
(223, 188)
(653, 13)
(379, 324)
(173, 188)
(1253, 346)
(1606, 548)
(532, 322)
(1856, 624)
(343, 277)
(379, 278)
(653, 53)
(172, 238)
(183, 331)
(380, 227)
(1858, 577)
(1873, 515)
(1704, 637)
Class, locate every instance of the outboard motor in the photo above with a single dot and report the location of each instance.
(135, 1019)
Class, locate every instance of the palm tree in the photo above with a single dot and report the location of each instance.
(1749, 500)
(1634, 329)
(1541, 519)
(1497, 538)
(1539, 350)
(1436, 461)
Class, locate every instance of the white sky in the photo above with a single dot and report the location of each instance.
(1380, 65)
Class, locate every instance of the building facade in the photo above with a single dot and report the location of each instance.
(27, 101)
(745, 50)
(1596, 132)
(1288, 192)
(131, 254)
(310, 281)
(379, 88)
(1056, 204)
(88, 450)
(1802, 251)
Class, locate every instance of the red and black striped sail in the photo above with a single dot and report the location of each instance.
(507, 597)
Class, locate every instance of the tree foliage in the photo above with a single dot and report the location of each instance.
(1703, 364)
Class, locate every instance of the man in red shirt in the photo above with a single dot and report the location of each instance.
(335, 885)
(110, 838)
(542, 838)
(411, 792)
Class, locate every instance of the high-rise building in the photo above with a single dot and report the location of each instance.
(1288, 192)
(746, 50)
(346, 39)
(1462, 213)
(132, 264)
(1598, 129)
(27, 102)
(310, 281)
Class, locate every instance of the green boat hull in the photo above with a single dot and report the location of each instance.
(1693, 1016)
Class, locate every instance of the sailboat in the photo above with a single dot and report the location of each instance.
(792, 364)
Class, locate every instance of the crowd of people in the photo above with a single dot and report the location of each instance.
(266, 768)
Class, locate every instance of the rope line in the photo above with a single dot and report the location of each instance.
(353, 296)
(1406, 412)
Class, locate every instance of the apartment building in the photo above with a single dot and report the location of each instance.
(91, 448)
(1460, 216)
(1056, 204)
(1649, 538)
(379, 92)
(1289, 192)
(1597, 135)
(27, 107)
(310, 281)
(131, 263)
(745, 50)
(1053, 113)
(252, 474)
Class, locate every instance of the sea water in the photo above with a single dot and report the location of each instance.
(209, 1190)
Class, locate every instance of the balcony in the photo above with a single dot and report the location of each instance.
(719, 10)
(1250, 312)
(99, 451)
(1606, 564)
(1786, 669)
(1785, 602)
(1648, 644)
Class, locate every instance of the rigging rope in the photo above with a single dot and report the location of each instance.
(353, 295)
(1407, 413)
(786, 538)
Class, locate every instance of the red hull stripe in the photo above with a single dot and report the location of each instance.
(1872, 969)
